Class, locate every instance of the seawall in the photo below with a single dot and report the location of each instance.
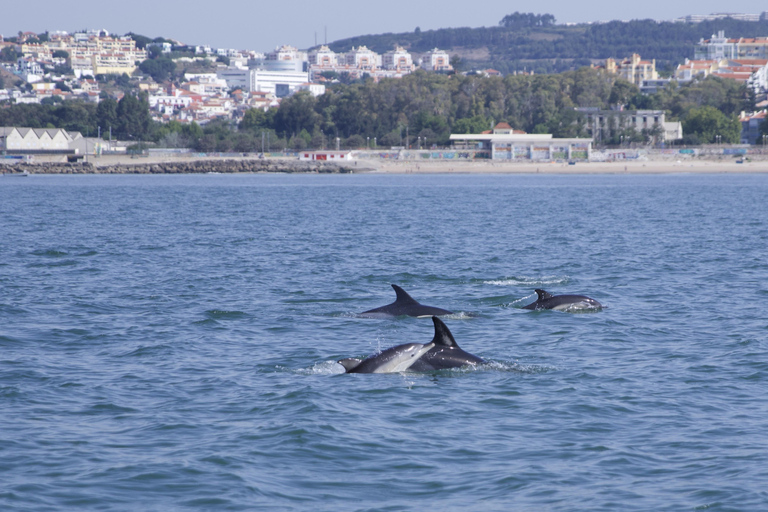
(179, 167)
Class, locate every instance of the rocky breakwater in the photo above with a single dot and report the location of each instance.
(183, 167)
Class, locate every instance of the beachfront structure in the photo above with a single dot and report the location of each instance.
(326, 155)
(16, 140)
(504, 143)
(603, 124)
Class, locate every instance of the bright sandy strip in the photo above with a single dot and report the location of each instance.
(699, 165)
(628, 167)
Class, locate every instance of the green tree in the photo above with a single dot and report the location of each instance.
(9, 54)
(133, 119)
(106, 115)
(297, 113)
(711, 125)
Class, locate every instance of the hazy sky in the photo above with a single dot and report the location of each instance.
(262, 26)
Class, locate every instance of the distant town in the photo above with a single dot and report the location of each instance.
(224, 84)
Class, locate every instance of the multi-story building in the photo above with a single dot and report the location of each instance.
(397, 59)
(278, 83)
(602, 125)
(436, 60)
(719, 47)
(91, 53)
(284, 59)
(751, 124)
(362, 58)
(633, 69)
(698, 18)
(323, 57)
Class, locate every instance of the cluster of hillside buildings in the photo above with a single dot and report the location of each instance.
(260, 80)
(743, 59)
(250, 80)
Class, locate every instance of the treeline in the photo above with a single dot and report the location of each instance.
(539, 45)
(421, 108)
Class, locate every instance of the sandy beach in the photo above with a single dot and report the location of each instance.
(625, 167)
(649, 166)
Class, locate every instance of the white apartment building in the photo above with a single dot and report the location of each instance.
(323, 57)
(436, 60)
(719, 47)
(397, 59)
(362, 58)
(278, 83)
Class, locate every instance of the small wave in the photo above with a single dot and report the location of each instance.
(220, 314)
(322, 368)
(51, 253)
(506, 366)
(334, 368)
(529, 281)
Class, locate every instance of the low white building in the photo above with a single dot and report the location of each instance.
(326, 155)
(525, 147)
(32, 140)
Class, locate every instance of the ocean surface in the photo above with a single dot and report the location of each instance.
(169, 343)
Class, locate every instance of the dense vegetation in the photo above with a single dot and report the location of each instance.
(534, 42)
(417, 109)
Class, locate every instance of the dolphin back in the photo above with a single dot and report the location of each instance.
(404, 305)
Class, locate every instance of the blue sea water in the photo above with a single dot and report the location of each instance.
(169, 342)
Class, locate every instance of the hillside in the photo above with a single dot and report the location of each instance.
(557, 48)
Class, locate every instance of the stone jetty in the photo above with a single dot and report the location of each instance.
(280, 165)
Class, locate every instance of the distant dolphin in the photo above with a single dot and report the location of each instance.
(442, 352)
(445, 354)
(404, 305)
(562, 302)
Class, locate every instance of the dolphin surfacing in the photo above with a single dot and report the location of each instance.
(404, 305)
(562, 302)
(392, 360)
(441, 353)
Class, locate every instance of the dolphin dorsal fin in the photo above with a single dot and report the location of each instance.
(350, 363)
(402, 296)
(543, 295)
(443, 336)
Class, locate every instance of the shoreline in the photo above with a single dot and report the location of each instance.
(173, 164)
(617, 167)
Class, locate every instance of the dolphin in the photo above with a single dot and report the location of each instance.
(445, 354)
(404, 305)
(442, 352)
(394, 359)
(562, 302)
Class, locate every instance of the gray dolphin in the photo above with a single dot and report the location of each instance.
(404, 305)
(445, 354)
(442, 352)
(394, 359)
(562, 302)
